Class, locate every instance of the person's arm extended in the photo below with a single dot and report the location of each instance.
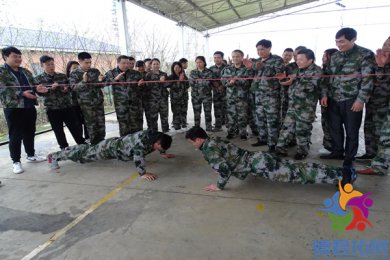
(219, 164)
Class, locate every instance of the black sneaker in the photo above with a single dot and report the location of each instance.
(271, 149)
(332, 156)
(259, 143)
(300, 156)
(349, 176)
(230, 136)
(365, 157)
(244, 137)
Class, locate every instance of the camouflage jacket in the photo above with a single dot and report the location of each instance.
(197, 84)
(271, 66)
(306, 87)
(132, 76)
(58, 98)
(357, 60)
(131, 147)
(154, 91)
(87, 93)
(381, 93)
(225, 158)
(232, 72)
(178, 89)
(11, 91)
(217, 71)
(291, 68)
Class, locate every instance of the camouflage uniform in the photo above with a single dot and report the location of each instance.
(343, 91)
(91, 100)
(20, 112)
(127, 100)
(201, 94)
(267, 99)
(376, 111)
(237, 98)
(58, 104)
(156, 101)
(300, 116)
(291, 69)
(130, 147)
(325, 121)
(229, 160)
(219, 97)
(381, 162)
(178, 92)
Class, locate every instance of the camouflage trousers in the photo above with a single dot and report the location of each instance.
(128, 112)
(219, 102)
(237, 107)
(104, 150)
(268, 117)
(274, 168)
(376, 112)
(381, 162)
(327, 139)
(95, 121)
(154, 107)
(298, 123)
(197, 99)
(252, 113)
(179, 111)
(284, 103)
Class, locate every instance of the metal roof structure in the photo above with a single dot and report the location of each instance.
(203, 15)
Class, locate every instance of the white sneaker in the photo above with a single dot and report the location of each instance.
(35, 158)
(17, 168)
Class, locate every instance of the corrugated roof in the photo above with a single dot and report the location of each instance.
(203, 15)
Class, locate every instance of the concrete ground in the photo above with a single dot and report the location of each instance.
(103, 211)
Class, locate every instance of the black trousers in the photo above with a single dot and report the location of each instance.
(340, 114)
(81, 122)
(57, 118)
(21, 127)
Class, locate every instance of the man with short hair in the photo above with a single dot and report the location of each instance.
(237, 95)
(87, 82)
(347, 94)
(58, 102)
(148, 64)
(266, 89)
(17, 95)
(127, 96)
(287, 55)
(130, 147)
(229, 160)
(219, 92)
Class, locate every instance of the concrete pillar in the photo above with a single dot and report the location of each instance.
(124, 36)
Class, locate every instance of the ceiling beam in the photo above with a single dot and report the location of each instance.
(196, 7)
(233, 8)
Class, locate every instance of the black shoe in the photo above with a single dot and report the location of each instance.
(243, 137)
(259, 143)
(230, 136)
(280, 153)
(300, 156)
(332, 156)
(365, 157)
(271, 149)
(349, 176)
(292, 144)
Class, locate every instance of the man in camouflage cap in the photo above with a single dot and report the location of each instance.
(130, 147)
(229, 160)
